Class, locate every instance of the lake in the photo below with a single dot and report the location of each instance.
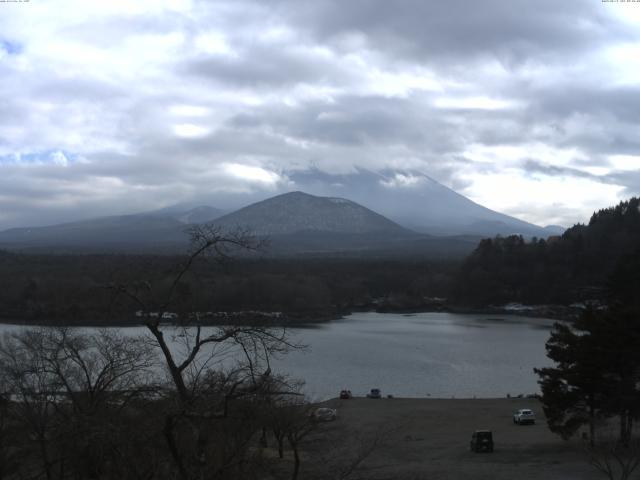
(422, 354)
(416, 355)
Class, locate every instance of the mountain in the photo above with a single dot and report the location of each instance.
(159, 230)
(554, 229)
(416, 201)
(297, 212)
(297, 223)
(102, 234)
(188, 213)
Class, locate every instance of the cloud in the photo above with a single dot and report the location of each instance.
(119, 106)
(402, 180)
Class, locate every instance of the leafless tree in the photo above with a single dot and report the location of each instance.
(29, 385)
(9, 455)
(614, 459)
(346, 459)
(217, 375)
(67, 391)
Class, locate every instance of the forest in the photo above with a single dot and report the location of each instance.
(78, 289)
(574, 267)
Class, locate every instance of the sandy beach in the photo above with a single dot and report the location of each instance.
(429, 439)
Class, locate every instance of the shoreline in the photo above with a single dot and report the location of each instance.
(308, 320)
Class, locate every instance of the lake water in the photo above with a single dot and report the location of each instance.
(423, 354)
(416, 355)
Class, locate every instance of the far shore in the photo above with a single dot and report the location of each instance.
(308, 319)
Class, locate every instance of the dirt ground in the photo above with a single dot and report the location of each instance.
(429, 439)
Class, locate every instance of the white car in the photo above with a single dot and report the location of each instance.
(324, 414)
(524, 416)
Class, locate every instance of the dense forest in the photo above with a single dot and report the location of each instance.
(79, 289)
(559, 270)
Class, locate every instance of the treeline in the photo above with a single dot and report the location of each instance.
(79, 289)
(571, 268)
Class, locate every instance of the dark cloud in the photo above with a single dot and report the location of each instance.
(356, 121)
(533, 166)
(261, 66)
(517, 32)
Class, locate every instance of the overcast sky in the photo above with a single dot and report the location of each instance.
(531, 108)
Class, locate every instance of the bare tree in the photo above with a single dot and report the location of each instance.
(67, 391)
(217, 375)
(29, 385)
(9, 454)
(614, 459)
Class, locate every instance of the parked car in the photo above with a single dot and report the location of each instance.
(482, 441)
(345, 394)
(374, 393)
(524, 416)
(325, 414)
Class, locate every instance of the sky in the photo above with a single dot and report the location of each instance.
(529, 108)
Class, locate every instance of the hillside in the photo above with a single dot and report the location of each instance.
(297, 223)
(156, 231)
(297, 212)
(574, 267)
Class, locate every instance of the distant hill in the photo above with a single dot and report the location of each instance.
(554, 229)
(156, 231)
(118, 233)
(574, 267)
(297, 223)
(297, 212)
(188, 214)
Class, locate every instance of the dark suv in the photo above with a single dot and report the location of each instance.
(482, 441)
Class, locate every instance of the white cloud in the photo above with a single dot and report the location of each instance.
(214, 43)
(59, 158)
(252, 174)
(625, 162)
(400, 180)
(190, 130)
(536, 198)
(189, 110)
(473, 103)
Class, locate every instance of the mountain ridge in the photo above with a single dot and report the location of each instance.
(298, 211)
(416, 201)
(296, 222)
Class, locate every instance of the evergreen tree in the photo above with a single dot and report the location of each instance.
(573, 391)
(597, 357)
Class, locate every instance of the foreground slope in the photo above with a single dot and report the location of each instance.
(429, 439)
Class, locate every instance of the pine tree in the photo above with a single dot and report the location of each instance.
(573, 392)
(597, 357)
